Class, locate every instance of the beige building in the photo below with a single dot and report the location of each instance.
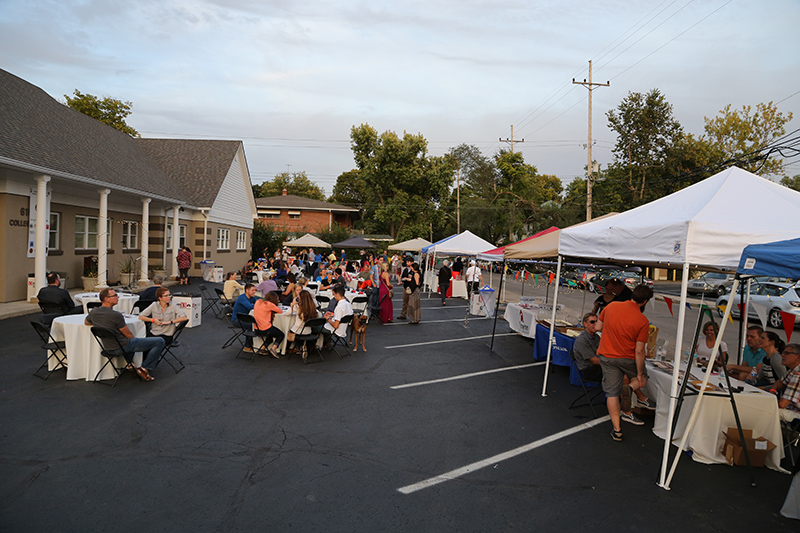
(68, 183)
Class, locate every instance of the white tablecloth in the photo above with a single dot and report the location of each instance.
(263, 274)
(758, 410)
(84, 359)
(124, 305)
(521, 319)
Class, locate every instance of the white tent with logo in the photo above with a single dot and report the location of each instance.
(704, 226)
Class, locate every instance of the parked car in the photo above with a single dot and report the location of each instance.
(629, 278)
(776, 297)
(713, 283)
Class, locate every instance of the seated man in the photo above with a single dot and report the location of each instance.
(789, 385)
(585, 351)
(149, 294)
(268, 285)
(54, 295)
(752, 354)
(105, 317)
(333, 320)
(243, 305)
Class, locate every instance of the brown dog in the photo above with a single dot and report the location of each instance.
(359, 331)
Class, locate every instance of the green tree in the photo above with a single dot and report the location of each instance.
(646, 132)
(266, 236)
(296, 183)
(348, 190)
(336, 234)
(402, 185)
(792, 183)
(108, 110)
(477, 178)
(744, 135)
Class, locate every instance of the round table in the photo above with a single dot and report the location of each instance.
(84, 359)
(124, 305)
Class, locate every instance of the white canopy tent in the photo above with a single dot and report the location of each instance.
(706, 225)
(413, 245)
(307, 240)
(465, 243)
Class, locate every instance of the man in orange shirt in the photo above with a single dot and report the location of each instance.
(622, 353)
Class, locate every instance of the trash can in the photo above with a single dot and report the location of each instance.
(483, 302)
(217, 275)
(31, 286)
(192, 305)
(207, 269)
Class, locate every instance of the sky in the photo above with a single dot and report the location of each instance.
(290, 79)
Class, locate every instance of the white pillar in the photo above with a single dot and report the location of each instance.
(42, 233)
(176, 209)
(145, 240)
(205, 234)
(102, 240)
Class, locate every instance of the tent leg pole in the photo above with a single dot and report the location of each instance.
(497, 307)
(675, 377)
(552, 328)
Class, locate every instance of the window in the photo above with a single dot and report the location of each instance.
(241, 240)
(86, 233)
(130, 235)
(181, 236)
(294, 215)
(223, 239)
(271, 214)
(55, 226)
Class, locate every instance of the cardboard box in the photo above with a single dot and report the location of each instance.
(757, 448)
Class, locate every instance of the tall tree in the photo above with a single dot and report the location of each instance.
(348, 190)
(109, 111)
(296, 183)
(745, 135)
(646, 131)
(477, 183)
(792, 183)
(402, 185)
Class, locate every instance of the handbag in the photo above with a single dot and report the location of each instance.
(408, 290)
(391, 293)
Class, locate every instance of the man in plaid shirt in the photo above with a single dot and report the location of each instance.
(789, 385)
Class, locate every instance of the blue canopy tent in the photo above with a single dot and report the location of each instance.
(780, 258)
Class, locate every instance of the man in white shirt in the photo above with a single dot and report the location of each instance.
(333, 321)
(474, 277)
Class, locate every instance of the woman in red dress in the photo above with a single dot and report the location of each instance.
(384, 296)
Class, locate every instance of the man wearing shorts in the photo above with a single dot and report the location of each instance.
(622, 353)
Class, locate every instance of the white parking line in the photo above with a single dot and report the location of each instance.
(449, 340)
(465, 376)
(453, 474)
(402, 323)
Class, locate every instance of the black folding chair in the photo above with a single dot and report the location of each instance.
(54, 349)
(375, 310)
(92, 305)
(168, 348)
(51, 308)
(223, 300)
(309, 340)
(336, 340)
(141, 305)
(360, 305)
(244, 321)
(322, 301)
(211, 301)
(227, 313)
(108, 345)
(598, 389)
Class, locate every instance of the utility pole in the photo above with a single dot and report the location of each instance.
(511, 141)
(458, 201)
(591, 86)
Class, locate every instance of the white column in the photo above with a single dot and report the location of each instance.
(145, 240)
(176, 209)
(205, 234)
(102, 240)
(42, 233)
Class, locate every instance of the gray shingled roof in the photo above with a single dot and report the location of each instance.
(39, 133)
(198, 166)
(291, 201)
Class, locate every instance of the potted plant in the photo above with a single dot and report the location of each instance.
(127, 271)
(89, 276)
(159, 270)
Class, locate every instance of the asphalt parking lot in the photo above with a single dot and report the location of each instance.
(275, 445)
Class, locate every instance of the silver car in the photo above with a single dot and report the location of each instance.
(714, 283)
(776, 297)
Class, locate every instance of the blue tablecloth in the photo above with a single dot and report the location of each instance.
(561, 347)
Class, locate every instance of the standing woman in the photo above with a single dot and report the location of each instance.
(385, 295)
(184, 258)
(414, 305)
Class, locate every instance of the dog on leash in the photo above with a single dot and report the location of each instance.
(359, 331)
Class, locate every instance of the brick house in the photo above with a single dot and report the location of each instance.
(295, 213)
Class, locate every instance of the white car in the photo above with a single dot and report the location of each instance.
(776, 297)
